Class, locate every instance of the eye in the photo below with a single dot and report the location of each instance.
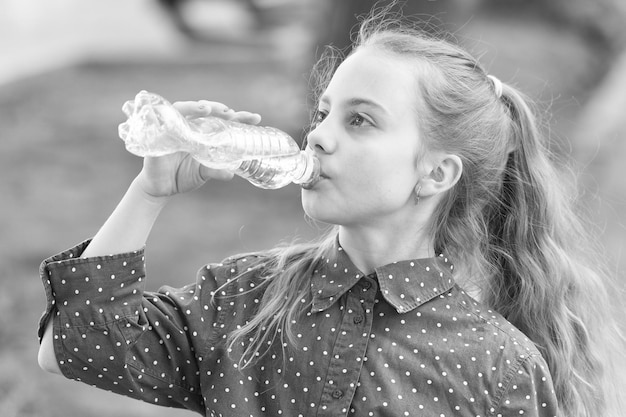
(357, 119)
(318, 117)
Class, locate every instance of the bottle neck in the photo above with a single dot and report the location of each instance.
(310, 169)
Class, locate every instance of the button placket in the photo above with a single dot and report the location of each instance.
(348, 352)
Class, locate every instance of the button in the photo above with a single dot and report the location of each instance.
(367, 285)
(337, 394)
(357, 319)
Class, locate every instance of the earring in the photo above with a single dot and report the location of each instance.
(416, 195)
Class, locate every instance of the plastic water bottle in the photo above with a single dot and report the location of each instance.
(265, 156)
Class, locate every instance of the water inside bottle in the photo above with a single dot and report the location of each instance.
(277, 172)
(225, 144)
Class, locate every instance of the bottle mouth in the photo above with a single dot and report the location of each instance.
(311, 173)
(308, 185)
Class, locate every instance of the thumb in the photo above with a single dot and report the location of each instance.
(218, 174)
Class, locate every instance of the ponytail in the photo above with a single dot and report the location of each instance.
(544, 282)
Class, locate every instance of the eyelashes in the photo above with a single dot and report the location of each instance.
(318, 117)
(353, 118)
(357, 119)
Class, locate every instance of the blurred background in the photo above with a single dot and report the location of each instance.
(66, 67)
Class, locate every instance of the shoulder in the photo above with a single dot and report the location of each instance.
(502, 334)
(491, 344)
(233, 272)
(521, 378)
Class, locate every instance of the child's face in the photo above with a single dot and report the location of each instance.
(368, 143)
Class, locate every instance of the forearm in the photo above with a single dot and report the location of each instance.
(129, 226)
(127, 229)
(105, 330)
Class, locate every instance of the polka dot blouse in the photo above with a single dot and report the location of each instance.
(403, 341)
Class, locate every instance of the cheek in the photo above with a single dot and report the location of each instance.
(378, 174)
(395, 175)
(373, 180)
(378, 190)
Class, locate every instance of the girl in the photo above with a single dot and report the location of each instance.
(438, 182)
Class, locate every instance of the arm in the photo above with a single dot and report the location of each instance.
(161, 178)
(527, 390)
(130, 223)
(110, 333)
(126, 229)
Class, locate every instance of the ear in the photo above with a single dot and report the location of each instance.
(443, 176)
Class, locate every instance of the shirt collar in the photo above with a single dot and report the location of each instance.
(405, 284)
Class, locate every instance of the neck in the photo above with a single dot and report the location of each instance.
(371, 247)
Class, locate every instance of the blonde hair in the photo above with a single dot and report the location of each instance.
(510, 221)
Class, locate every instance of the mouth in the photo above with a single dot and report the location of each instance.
(312, 184)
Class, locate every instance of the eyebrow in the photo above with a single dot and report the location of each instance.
(356, 101)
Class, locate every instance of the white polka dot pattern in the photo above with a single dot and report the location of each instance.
(405, 341)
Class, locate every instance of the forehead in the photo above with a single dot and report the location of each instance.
(376, 75)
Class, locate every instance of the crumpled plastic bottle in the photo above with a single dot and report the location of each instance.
(267, 157)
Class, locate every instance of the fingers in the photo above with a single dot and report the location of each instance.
(203, 108)
(247, 117)
(215, 108)
(194, 109)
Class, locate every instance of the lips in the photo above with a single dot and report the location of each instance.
(311, 185)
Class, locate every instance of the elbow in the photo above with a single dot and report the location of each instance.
(46, 357)
(48, 362)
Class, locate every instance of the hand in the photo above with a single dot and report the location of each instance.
(168, 175)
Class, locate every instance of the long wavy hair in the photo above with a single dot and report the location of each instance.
(511, 223)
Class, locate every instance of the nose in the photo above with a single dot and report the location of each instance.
(321, 140)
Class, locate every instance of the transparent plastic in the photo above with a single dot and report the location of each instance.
(265, 156)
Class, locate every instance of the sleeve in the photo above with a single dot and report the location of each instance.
(109, 333)
(527, 391)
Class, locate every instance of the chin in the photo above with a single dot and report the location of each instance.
(321, 206)
(325, 215)
(318, 212)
